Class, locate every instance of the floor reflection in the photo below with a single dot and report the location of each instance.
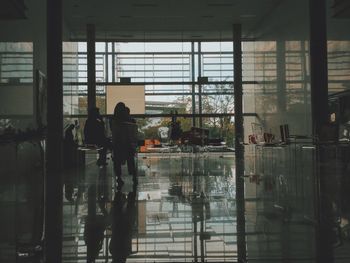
(182, 210)
(124, 211)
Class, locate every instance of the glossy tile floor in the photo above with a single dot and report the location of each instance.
(182, 210)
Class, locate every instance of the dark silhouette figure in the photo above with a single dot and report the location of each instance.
(95, 225)
(69, 161)
(124, 140)
(69, 147)
(128, 117)
(94, 133)
(94, 235)
(175, 128)
(123, 219)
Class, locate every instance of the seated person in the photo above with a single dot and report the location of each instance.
(94, 133)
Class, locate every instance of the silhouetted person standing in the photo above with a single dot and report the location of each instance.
(69, 160)
(69, 147)
(175, 128)
(124, 140)
(94, 133)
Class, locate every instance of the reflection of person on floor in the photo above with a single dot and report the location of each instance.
(200, 208)
(123, 219)
(95, 225)
(94, 133)
(124, 140)
(94, 235)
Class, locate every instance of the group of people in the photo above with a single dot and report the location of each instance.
(121, 218)
(124, 138)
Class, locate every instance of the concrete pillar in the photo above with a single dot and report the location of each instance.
(239, 138)
(319, 106)
(200, 106)
(54, 182)
(91, 67)
(281, 77)
(193, 85)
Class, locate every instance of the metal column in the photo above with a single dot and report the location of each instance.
(54, 182)
(91, 66)
(195, 240)
(319, 105)
(200, 84)
(281, 76)
(239, 138)
(106, 69)
(318, 64)
(193, 85)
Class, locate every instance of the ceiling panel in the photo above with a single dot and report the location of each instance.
(12, 9)
(128, 20)
(136, 19)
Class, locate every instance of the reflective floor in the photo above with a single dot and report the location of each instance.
(183, 208)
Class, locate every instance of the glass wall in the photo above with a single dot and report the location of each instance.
(338, 66)
(335, 167)
(22, 149)
(282, 91)
(16, 86)
(168, 70)
(16, 60)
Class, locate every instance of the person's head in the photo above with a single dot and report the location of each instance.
(119, 111)
(94, 113)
